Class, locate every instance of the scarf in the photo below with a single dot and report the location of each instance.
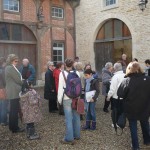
(17, 71)
(88, 84)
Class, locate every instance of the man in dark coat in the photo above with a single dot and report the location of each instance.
(27, 71)
(135, 92)
(49, 88)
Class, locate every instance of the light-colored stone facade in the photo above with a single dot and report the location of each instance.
(91, 15)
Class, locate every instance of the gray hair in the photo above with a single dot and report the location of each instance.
(11, 58)
(117, 67)
(78, 66)
(108, 65)
(50, 63)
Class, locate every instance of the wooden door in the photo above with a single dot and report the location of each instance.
(21, 50)
(103, 54)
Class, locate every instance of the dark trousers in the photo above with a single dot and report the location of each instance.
(52, 105)
(145, 131)
(13, 115)
(107, 103)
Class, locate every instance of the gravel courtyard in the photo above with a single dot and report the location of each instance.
(52, 129)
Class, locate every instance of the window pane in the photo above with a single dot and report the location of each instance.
(108, 30)
(55, 58)
(59, 58)
(4, 31)
(59, 52)
(16, 33)
(110, 2)
(55, 45)
(60, 45)
(54, 52)
(117, 28)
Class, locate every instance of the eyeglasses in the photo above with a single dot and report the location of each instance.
(16, 61)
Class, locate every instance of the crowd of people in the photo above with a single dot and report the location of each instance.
(124, 82)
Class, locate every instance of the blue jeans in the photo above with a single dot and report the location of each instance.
(145, 131)
(90, 111)
(72, 119)
(3, 111)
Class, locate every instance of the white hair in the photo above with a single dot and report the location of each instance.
(25, 60)
(108, 65)
(117, 67)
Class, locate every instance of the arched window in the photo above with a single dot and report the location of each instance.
(15, 32)
(113, 29)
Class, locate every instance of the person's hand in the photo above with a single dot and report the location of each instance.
(92, 100)
(108, 99)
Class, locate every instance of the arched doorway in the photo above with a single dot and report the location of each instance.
(17, 39)
(113, 39)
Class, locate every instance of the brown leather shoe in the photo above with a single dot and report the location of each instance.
(67, 142)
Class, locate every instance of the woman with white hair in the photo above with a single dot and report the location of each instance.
(116, 81)
(106, 77)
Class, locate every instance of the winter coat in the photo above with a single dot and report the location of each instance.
(56, 73)
(135, 90)
(49, 88)
(30, 75)
(115, 83)
(95, 86)
(30, 106)
(106, 77)
(13, 82)
(2, 78)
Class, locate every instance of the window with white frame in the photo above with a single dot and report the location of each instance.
(58, 52)
(110, 2)
(11, 5)
(57, 12)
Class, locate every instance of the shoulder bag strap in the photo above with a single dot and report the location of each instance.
(64, 76)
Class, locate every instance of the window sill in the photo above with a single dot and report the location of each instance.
(110, 7)
(11, 12)
(55, 18)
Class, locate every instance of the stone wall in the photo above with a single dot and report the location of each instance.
(91, 15)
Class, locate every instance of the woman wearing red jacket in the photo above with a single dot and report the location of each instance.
(56, 72)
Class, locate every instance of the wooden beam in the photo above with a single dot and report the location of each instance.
(17, 42)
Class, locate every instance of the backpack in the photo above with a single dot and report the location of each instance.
(73, 85)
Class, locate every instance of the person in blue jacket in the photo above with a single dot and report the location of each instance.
(27, 71)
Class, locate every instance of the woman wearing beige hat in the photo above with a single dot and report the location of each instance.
(13, 87)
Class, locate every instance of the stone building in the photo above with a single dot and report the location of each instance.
(105, 29)
(40, 30)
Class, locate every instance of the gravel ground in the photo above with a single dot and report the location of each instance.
(52, 129)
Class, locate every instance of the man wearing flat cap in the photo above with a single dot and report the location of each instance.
(49, 88)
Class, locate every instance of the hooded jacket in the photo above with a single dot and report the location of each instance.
(135, 90)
